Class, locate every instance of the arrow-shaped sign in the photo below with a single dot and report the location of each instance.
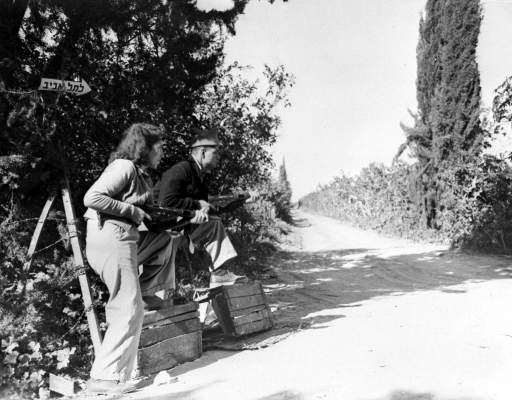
(58, 85)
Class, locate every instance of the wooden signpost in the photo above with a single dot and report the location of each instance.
(77, 88)
(77, 255)
(58, 384)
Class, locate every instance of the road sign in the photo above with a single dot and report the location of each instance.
(57, 85)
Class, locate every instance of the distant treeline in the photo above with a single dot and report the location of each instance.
(454, 191)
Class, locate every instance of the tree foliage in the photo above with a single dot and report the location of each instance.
(146, 61)
(447, 125)
(246, 112)
(152, 61)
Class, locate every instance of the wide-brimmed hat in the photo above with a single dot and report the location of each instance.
(205, 137)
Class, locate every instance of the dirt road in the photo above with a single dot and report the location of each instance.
(363, 317)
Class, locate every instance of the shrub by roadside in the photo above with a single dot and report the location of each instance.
(42, 322)
(475, 204)
(377, 199)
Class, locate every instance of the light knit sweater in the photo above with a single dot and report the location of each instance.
(120, 188)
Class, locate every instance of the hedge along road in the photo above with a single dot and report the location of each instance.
(359, 316)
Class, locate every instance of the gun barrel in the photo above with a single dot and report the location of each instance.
(229, 197)
(169, 212)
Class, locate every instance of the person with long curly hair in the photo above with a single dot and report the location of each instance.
(114, 212)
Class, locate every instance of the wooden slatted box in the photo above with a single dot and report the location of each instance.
(242, 309)
(169, 337)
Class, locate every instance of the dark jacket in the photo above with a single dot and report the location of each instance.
(181, 186)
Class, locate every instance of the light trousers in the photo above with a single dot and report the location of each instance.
(112, 254)
(212, 236)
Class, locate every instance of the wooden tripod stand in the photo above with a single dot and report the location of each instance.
(77, 255)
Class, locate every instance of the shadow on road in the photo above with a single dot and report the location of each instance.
(310, 282)
(190, 395)
(405, 395)
(314, 281)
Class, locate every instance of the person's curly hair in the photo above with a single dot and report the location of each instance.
(136, 143)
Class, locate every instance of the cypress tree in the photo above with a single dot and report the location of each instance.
(283, 194)
(447, 126)
(283, 178)
(456, 107)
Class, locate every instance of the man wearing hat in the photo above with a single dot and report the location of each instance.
(185, 186)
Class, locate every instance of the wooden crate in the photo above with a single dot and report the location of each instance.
(169, 337)
(242, 309)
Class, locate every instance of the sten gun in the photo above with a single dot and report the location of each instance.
(228, 203)
(163, 218)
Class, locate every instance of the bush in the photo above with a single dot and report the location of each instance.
(477, 205)
(379, 198)
(42, 322)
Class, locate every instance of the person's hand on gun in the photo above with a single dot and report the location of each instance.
(207, 206)
(200, 217)
(139, 215)
(253, 196)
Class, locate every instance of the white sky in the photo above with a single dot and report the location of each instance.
(355, 68)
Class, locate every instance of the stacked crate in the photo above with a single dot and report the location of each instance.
(242, 309)
(169, 337)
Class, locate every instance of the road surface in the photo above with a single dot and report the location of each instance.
(363, 317)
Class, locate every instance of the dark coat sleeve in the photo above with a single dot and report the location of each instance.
(173, 188)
